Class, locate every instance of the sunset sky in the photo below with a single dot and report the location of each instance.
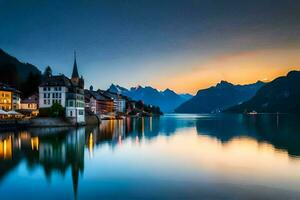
(183, 45)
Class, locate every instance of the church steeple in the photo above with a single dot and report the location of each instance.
(75, 69)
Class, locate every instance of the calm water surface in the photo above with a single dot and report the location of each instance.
(174, 156)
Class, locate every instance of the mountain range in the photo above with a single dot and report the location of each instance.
(219, 97)
(167, 100)
(23, 76)
(280, 95)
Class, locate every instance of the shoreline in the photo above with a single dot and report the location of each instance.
(52, 122)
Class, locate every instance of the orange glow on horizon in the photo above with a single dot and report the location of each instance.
(239, 68)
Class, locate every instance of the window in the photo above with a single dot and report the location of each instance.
(45, 95)
(71, 113)
(45, 101)
(80, 112)
(59, 101)
(48, 95)
(53, 95)
(44, 88)
(48, 101)
(56, 95)
(71, 103)
(59, 95)
(59, 88)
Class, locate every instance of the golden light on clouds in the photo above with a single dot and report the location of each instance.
(238, 68)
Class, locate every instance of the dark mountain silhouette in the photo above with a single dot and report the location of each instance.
(167, 100)
(23, 76)
(219, 97)
(281, 95)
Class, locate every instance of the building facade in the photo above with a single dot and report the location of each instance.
(30, 105)
(16, 100)
(54, 89)
(9, 98)
(119, 101)
(98, 103)
(67, 92)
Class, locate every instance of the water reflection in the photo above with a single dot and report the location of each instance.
(282, 131)
(219, 139)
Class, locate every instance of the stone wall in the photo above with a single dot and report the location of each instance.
(50, 122)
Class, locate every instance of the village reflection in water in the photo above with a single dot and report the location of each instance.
(63, 149)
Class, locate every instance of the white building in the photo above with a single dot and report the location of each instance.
(67, 92)
(54, 90)
(16, 100)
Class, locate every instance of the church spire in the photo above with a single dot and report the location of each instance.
(75, 70)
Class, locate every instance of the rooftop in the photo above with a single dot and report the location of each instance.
(5, 87)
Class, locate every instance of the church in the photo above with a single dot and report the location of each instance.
(65, 91)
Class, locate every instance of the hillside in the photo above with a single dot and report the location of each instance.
(219, 97)
(23, 76)
(281, 95)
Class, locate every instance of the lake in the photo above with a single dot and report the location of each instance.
(174, 156)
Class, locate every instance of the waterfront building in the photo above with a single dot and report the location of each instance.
(30, 105)
(9, 98)
(98, 103)
(16, 100)
(54, 89)
(67, 92)
(119, 101)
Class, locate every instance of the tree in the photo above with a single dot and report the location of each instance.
(47, 72)
(57, 110)
(30, 86)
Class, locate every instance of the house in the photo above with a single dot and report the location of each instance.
(119, 101)
(98, 103)
(16, 100)
(9, 98)
(54, 89)
(67, 92)
(30, 105)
